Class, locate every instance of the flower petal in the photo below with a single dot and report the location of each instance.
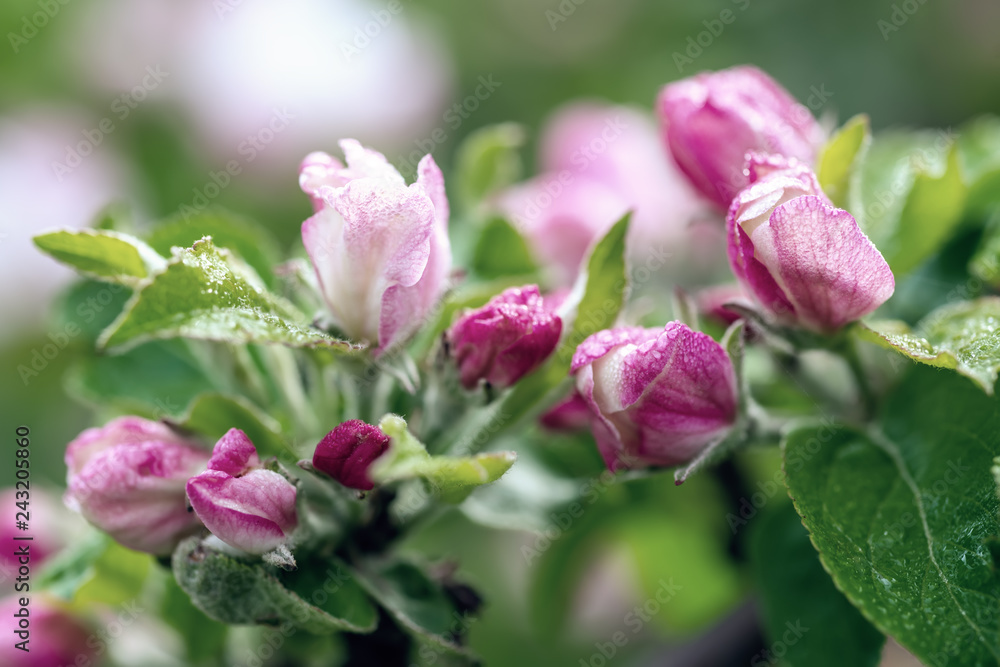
(831, 271)
(255, 513)
(234, 453)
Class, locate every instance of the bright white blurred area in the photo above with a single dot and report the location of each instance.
(351, 69)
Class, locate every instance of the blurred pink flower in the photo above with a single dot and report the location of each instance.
(597, 162)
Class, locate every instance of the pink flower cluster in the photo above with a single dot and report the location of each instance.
(382, 260)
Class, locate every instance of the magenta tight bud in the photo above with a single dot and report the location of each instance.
(504, 340)
(346, 453)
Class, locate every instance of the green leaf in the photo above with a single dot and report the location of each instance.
(317, 600)
(908, 195)
(964, 337)
(118, 577)
(63, 574)
(985, 264)
(800, 601)
(204, 637)
(102, 254)
(251, 242)
(931, 213)
(419, 604)
(202, 295)
(502, 251)
(979, 145)
(488, 160)
(95, 570)
(903, 515)
(603, 286)
(842, 153)
(214, 414)
(451, 478)
(157, 379)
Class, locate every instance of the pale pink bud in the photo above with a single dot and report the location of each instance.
(806, 261)
(504, 340)
(711, 120)
(380, 248)
(241, 503)
(127, 478)
(346, 453)
(657, 397)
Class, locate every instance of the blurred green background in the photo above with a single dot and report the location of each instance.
(231, 65)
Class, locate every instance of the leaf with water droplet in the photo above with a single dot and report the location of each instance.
(903, 515)
(205, 294)
(964, 337)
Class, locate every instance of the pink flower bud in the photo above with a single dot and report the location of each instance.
(806, 261)
(127, 478)
(656, 397)
(241, 503)
(505, 339)
(711, 120)
(53, 637)
(568, 416)
(379, 247)
(598, 162)
(346, 452)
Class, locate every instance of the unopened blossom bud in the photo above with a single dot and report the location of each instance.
(51, 636)
(806, 261)
(346, 453)
(380, 248)
(127, 478)
(657, 397)
(505, 339)
(567, 416)
(241, 503)
(711, 120)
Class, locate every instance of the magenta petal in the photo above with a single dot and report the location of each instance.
(572, 414)
(346, 452)
(658, 401)
(255, 513)
(234, 453)
(689, 403)
(57, 637)
(831, 271)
